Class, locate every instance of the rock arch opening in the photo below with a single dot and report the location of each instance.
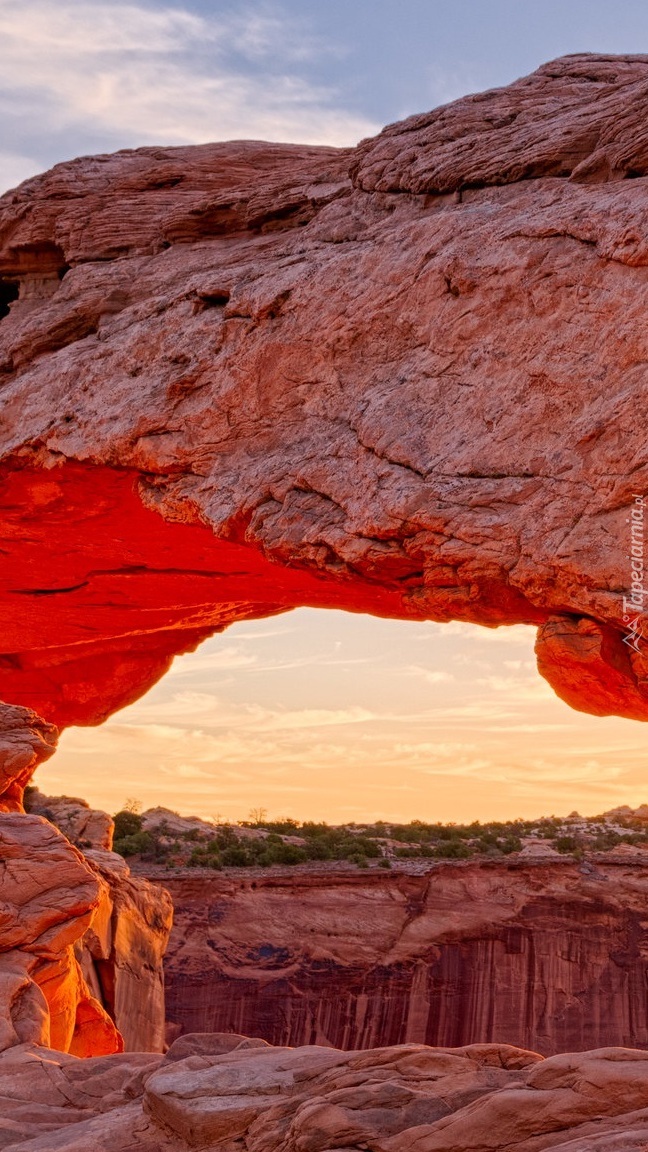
(344, 717)
(98, 593)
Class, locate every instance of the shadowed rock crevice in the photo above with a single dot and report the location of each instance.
(8, 293)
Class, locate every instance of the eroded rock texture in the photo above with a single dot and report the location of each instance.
(549, 956)
(250, 1099)
(405, 379)
(25, 742)
(81, 945)
(85, 826)
(121, 953)
(49, 896)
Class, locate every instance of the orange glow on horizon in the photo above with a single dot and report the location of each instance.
(340, 717)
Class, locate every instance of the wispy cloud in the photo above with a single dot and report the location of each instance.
(223, 660)
(429, 675)
(123, 74)
(321, 743)
(515, 634)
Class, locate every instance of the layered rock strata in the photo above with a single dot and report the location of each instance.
(404, 378)
(49, 897)
(81, 945)
(549, 955)
(25, 742)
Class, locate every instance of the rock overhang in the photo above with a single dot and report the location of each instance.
(403, 379)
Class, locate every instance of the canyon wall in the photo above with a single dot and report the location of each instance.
(549, 956)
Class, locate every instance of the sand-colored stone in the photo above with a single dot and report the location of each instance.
(479, 1098)
(25, 742)
(121, 953)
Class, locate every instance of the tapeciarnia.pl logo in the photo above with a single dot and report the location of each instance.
(633, 605)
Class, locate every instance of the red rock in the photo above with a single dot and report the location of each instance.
(547, 955)
(48, 1096)
(81, 946)
(402, 379)
(467, 1099)
(49, 896)
(25, 742)
(121, 953)
(86, 827)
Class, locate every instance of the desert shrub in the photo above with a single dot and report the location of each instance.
(566, 843)
(127, 823)
(452, 850)
(236, 856)
(510, 844)
(139, 843)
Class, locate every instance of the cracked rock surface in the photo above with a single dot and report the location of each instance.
(406, 378)
(482, 1097)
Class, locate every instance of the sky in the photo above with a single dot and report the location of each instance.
(317, 715)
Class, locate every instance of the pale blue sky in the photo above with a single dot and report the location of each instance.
(323, 716)
(79, 76)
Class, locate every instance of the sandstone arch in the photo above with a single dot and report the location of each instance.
(404, 378)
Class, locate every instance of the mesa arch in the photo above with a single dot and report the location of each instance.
(404, 378)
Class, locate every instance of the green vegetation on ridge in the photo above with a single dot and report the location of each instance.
(260, 842)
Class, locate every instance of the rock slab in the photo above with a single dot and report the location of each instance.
(476, 1098)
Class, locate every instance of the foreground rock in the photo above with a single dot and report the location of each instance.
(81, 946)
(242, 1098)
(547, 954)
(49, 897)
(243, 377)
(121, 953)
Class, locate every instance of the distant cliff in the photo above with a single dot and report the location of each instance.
(551, 956)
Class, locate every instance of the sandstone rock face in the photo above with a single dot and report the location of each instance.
(81, 946)
(402, 378)
(477, 1098)
(85, 826)
(47, 1098)
(49, 896)
(121, 953)
(25, 742)
(550, 955)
